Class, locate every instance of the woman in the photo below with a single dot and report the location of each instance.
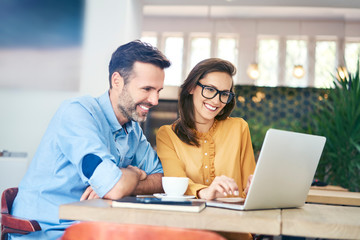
(213, 150)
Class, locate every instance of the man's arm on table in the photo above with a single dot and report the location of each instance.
(125, 186)
(151, 184)
(133, 181)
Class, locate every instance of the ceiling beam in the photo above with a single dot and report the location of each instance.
(269, 3)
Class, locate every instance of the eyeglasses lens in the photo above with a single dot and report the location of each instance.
(209, 92)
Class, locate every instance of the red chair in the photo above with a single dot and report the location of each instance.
(11, 224)
(114, 231)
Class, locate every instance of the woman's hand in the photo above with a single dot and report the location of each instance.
(249, 181)
(222, 186)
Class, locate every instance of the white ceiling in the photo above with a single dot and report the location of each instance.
(348, 10)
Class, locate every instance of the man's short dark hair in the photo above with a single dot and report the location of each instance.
(123, 59)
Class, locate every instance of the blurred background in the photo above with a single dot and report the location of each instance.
(287, 54)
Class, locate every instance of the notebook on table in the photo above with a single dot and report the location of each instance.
(284, 172)
(153, 203)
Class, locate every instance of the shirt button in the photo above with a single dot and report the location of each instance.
(205, 154)
(205, 166)
(205, 141)
(207, 180)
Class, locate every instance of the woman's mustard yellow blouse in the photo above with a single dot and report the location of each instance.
(225, 150)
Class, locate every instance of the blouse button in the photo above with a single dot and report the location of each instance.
(205, 154)
(205, 166)
(207, 180)
(205, 141)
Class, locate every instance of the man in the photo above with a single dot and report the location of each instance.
(94, 147)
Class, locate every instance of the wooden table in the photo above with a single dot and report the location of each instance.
(311, 220)
(260, 222)
(322, 221)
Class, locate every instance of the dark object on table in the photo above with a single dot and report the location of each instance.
(318, 183)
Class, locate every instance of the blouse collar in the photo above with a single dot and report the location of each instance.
(210, 132)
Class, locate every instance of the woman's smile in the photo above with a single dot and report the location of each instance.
(210, 107)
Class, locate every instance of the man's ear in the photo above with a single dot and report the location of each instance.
(117, 81)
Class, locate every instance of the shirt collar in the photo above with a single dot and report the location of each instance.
(105, 104)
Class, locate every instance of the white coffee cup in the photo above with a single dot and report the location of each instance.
(175, 186)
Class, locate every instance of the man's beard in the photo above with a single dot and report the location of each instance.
(127, 107)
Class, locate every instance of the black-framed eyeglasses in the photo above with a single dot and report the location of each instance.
(211, 92)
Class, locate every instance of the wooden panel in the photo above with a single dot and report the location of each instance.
(334, 197)
(166, 112)
(329, 188)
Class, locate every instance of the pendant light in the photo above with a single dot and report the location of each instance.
(298, 70)
(253, 69)
(342, 73)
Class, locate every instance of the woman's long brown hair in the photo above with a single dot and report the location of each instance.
(185, 125)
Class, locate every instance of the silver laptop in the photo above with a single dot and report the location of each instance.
(284, 171)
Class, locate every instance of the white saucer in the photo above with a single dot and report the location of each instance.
(164, 196)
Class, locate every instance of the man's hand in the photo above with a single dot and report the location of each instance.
(142, 173)
(132, 181)
(222, 186)
(128, 182)
(89, 194)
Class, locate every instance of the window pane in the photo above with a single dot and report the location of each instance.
(325, 63)
(268, 62)
(352, 54)
(174, 52)
(227, 49)
(200, 50)
(149, 39)
(296, 54)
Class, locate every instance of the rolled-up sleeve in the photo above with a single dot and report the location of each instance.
(101, 184)
(81, 134)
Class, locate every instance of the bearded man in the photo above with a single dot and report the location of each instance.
(95, 147)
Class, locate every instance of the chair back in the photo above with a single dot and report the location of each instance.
(11, 224)
(114, 231)
(7, 199)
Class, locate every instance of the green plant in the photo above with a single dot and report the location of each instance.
(338, 119)
(258, 131)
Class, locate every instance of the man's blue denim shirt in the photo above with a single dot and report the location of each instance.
(83, 145)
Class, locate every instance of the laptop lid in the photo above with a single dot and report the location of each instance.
(285, 170)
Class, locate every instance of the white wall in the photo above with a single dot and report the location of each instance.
(33, 82)
(24, 116)
(54, 69)
(108, 24)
